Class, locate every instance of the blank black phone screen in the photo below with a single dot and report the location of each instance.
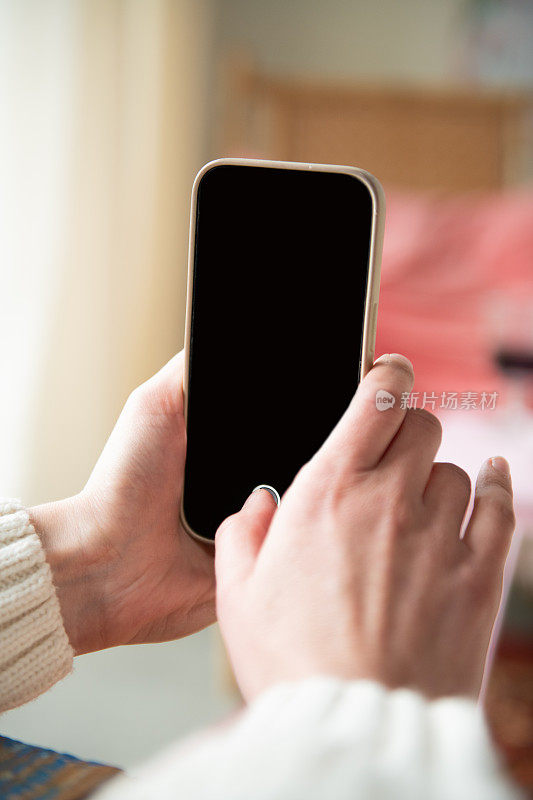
(279, 285)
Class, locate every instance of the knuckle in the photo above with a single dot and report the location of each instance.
(309, 475)
(400, 515)
(425, 421)
(225, 526)
(322, 490)
(317, 477)
(457, 476)
(228, 524)
(313, 489)
(307, 480)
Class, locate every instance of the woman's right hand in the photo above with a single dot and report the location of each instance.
(361, 572)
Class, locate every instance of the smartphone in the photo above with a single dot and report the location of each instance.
(284, 262)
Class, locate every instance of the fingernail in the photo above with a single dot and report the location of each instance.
(270, 489)
(501, 465)
(389, 358)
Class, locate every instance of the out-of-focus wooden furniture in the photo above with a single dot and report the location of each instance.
(416, 138)
(509, 706)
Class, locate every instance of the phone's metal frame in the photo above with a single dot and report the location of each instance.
(374, 265)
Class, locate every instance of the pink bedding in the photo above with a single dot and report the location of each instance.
(455, 270)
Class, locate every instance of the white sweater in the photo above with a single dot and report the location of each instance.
(320, 739)
(34, 648)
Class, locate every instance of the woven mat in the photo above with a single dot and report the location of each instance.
(33, 773)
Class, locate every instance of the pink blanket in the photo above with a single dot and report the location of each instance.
(457, 278)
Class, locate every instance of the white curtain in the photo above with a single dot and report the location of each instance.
(102, 127)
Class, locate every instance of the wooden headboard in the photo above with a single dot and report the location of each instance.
(423, 138)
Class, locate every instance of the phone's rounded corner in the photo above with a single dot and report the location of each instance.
(190, 532)
(207, 168)
(375, 190)
(200, 175)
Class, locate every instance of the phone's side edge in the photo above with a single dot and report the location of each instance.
(188, 327)
(374, 271)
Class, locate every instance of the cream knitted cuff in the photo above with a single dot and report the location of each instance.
(34, 649)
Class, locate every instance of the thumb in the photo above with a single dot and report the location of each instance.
(239, 538)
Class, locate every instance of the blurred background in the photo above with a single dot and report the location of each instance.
(107, 110)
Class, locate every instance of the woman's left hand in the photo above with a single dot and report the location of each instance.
(123, 566)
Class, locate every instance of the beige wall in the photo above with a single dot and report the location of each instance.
(107, 103)
(412, 40)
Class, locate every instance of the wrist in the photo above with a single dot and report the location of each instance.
(64, 528)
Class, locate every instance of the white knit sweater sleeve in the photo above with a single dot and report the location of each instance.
(327, 739)
(34, 648)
